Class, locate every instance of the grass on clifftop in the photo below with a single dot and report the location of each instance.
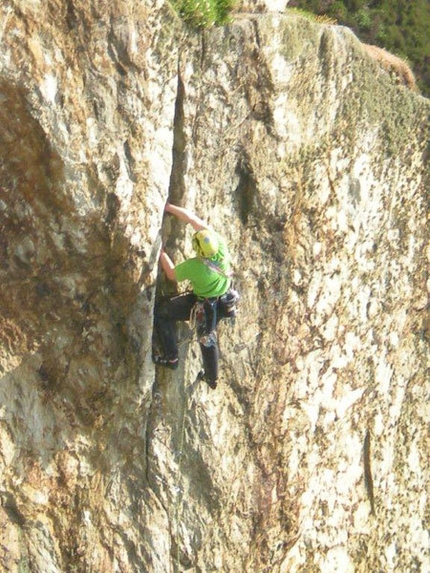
(400, 26)
(319, 18)
(204, 13)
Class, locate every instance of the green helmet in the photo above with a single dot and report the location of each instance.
(205, 243)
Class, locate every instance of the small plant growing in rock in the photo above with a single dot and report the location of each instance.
(204, 13)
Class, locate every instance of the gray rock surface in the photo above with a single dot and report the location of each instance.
(312, 453)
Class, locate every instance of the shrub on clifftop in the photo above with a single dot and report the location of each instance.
(204, 13)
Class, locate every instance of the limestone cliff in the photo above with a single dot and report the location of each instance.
(312, 453)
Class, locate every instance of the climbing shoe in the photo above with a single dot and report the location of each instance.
(162, 361)
(209, 381)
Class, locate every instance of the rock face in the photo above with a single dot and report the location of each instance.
(312, 453)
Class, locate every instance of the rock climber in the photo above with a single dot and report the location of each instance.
(210, 299)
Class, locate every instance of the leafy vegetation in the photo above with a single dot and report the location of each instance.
(400, 26)
(204, 13)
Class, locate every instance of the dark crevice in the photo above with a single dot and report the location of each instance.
(71, 17)
(131, 163)
(246, 191)
(174, 230)
(177, 185)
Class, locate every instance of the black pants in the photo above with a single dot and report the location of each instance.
(170, 310)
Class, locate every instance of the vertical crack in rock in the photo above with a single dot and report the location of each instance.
(246, 191)
(368, 477)
(161, 419)
(177, 185)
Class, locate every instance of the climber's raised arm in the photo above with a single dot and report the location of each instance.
(187, 216)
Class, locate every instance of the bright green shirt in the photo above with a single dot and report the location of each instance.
(205, 282)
